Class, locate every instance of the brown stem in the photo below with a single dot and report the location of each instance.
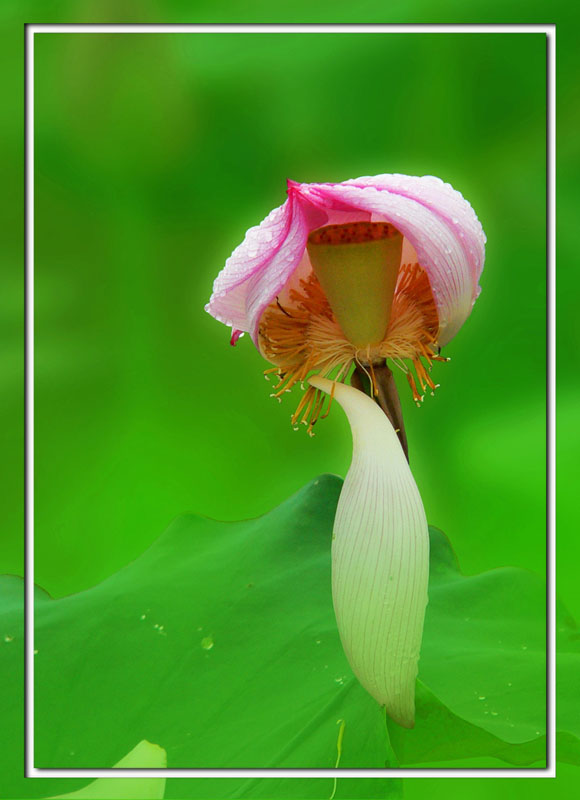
(387, 398)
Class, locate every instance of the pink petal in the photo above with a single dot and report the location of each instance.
(229, 299)
(435, 219)
(438, 222)
(261, 266)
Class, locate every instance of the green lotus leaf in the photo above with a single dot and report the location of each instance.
(219, 644)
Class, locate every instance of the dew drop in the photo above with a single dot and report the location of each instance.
(8, 638)
(494, 713)
(481, 697)
(207, 643)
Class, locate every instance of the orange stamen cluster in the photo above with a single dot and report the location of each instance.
(300, 340)
(413, 329)
(305, 337)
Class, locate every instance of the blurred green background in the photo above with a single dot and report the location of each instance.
(154, 154)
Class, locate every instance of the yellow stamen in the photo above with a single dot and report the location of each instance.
(303, 336)
(416, 396)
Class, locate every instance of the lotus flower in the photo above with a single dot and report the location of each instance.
(365, 272)
(354, 273)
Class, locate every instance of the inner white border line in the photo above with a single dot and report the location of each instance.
(30, 770)
(289, 28)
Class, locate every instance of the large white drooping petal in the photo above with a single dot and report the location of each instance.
(380, 558)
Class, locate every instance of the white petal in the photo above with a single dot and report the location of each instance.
(380, 558)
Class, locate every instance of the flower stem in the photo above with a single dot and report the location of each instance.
(387, 398)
